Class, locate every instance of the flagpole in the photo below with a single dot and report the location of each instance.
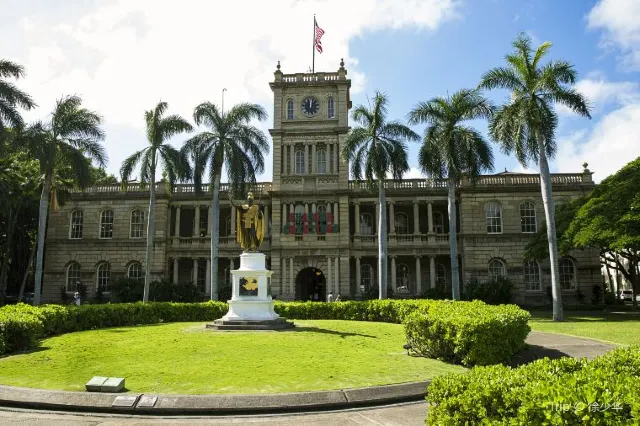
(313, 46)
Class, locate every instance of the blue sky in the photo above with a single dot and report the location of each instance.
(123, 56)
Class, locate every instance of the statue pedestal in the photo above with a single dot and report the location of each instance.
(251, 305)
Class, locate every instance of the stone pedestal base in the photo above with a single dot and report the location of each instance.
(251, 305)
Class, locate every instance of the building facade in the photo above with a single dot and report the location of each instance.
(322, 232)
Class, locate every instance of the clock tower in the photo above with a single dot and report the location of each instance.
(310, 122)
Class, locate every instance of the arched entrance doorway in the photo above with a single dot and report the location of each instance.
(311, 285)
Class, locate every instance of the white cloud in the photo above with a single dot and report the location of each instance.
(602, 93)
(620, 19)
(124, 56)
(612, 143)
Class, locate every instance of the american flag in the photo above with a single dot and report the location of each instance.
(319, 34)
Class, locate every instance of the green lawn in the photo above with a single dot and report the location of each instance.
(623, 328)
(186, 358)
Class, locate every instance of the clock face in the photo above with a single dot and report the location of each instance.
(310, 105)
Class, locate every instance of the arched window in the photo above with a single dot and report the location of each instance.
(441, 275)
(103, 277)
(331, 111)
(366, 276)
(73, 276)
(403, 275)
(134, 271)
(567, 274)
(321, 155)
(137, 224)
(366, 224)
(497, 269)
(299, 162)
(528, 217)
(438, 223)
(493, 213)
(76, 225)
(106, 224)
(531, 272)
(402, 223)
(290, 110)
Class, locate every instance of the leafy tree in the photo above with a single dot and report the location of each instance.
(71, 140)
(526, 125)
(230, 141)
(452, 150)
(12, 98)
(160, 129)
(373, 149)
(610, 221)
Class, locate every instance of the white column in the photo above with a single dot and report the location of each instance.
(392, 219)
(196, 227)
(314, 159)
(207, 278)
(195, 272)
(432, 271)
(394, 284)
(307, 169)
(292, 283)
(357, 217)
(233, 220)
(177, 230)
(358, 277)
(336, 271)
(418, 276)
(376, 207)
(292, 158)
(175, 270)
(416, 218)
(283, 280)
(329, 276)
(429, 218)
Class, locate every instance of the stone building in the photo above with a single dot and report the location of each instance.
(321, 226)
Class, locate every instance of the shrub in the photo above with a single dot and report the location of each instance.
(470, 333)
(495, 292)
(565, 391)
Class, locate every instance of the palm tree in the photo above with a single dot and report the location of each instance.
(373, 149)
(176, 166)
(71, 138)
(451, 150)
(230, 141)
(526, 124)
(11, 97)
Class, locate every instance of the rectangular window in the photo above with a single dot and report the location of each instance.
(76, 225)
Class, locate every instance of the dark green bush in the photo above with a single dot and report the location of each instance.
(564, 391)
(469, 333)
(495, 292)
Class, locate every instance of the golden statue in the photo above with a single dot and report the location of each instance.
(250, 224)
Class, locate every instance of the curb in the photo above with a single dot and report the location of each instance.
(219, 404)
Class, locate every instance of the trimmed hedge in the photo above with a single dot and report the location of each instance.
(565, 391)
(466, 332)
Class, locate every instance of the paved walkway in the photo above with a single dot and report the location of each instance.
(540, 345)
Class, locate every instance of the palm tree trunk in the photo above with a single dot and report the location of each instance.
(150, 231)
(214, 224)
(42, 229)
(382, 241)
(547, 201)
(4, 271)
(453, 242)
(32, 254)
